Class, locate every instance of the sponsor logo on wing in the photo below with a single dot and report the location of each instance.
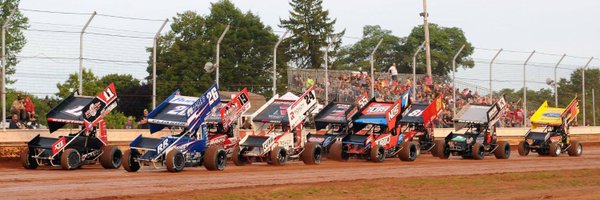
(553, 115)
(93, 110)
(395, 110)
(183, 100)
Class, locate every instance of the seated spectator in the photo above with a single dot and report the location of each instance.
(15, 123)
(129, 123)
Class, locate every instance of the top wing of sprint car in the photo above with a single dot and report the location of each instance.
(552, 116)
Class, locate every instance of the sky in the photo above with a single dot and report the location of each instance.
(551, 27)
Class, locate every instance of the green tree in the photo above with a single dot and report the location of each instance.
(357, 55)
(444, 41)
(15, 40)
(568, 89)
(245, 52)
(311, 30)
(90, 84)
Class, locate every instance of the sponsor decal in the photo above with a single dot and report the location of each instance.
(415, 113)
(218, 140)
(306, 102)
(553, 115)
(183, 100)
(58, 145)
(76, 111)
(383, 141)
(162, 146)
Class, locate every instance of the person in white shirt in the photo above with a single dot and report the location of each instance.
(393, 71)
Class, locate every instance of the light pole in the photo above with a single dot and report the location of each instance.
(454, 80)
(4, 27)
(583, 87)
(525, 88)
(275, 61)
(81, 52)
(491, 63)
(219, 54)
(555, 81)
(414, 93)
(154, 62)
(425, 15)
(372, 68)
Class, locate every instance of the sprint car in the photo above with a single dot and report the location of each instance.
(189, 147)
(334, 122)
(480, 138)
(375, 135)
(222, 123)
(417, 125)
(86, 146)
(554, 139)
(279, 134)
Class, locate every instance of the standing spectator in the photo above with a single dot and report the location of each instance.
(309, 82)
(18, 108)
(394, 72)
(15, 123)
(29, 108)
(143, 123)
(518, 116)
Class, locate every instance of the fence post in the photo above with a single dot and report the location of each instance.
(454, 80)
(81, 52)
(4, 27)
(275, 62)
(525, 89)
(373, 66)
(583, 87)
(555, 81)
(593, 107)
(414, 93)
(491, 63)
(154, 63)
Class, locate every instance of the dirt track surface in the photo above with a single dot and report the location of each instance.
(95, 182)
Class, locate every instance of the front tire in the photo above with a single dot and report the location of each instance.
(215, 158)
(503, 150)
(175, 161)
(111, 157)
(70, 159)
(408, 151)
(441, 149)
(555, 149)
(337, 152)
(312, 153)
(278, 156)
(523, 148)
(576, 149)
(377, 154)
(238, 158)
(26, 160)
(478, 151)
(130, 162)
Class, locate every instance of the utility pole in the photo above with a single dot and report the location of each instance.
(81, 52)
(454, 80)
(154, 62)
(275, 61)
(4, 27)
(219, 53)
(425, 15)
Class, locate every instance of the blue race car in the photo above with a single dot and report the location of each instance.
(189, 147)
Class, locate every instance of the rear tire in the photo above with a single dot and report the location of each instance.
(70, 159)
(503, 150)
(523, 148)
(215, 158)
(555, 149)
(312, 153)
(377, 154)
(175, 161)
(278, 156)
(576, 149)
(238, 158)
(26, 160)
(129, 160)
(478, 151)
(336, 152)
(111, 157)
(408, 151)
(441, 149)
